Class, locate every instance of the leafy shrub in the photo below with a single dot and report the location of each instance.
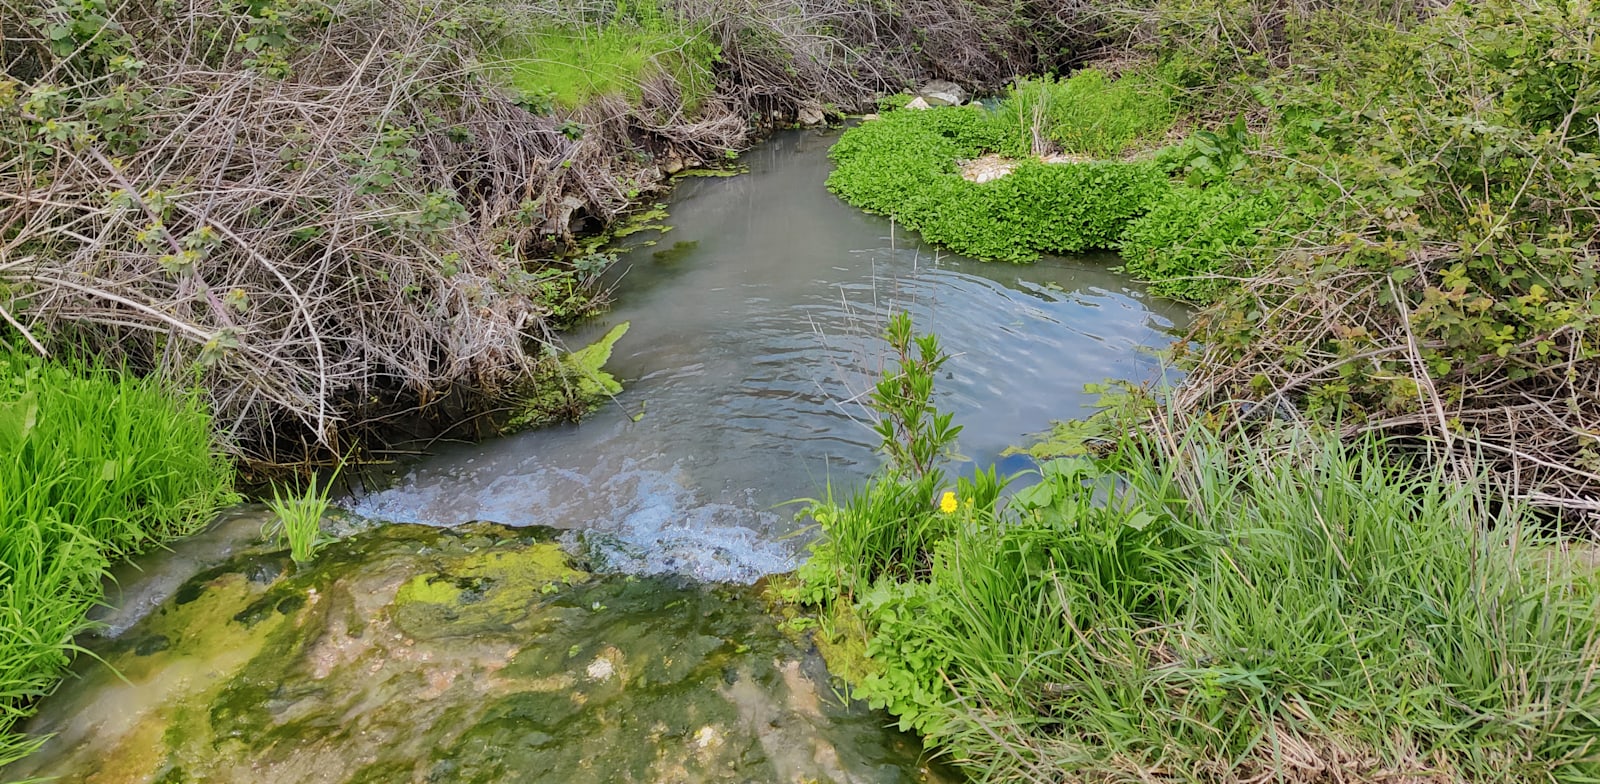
(905, 166)
(1193, 233)
(97, 466)
(1440, 270)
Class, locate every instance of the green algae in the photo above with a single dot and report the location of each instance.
(573, 385)
(732, 171)
(428, 589)
(652, 218)
(475, 654)
(483, 591)
(676, 253)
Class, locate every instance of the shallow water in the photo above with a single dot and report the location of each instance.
(754, 328)
(420, 654)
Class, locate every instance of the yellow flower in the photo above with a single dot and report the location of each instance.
(947, 504)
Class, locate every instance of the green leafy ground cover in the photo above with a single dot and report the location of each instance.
(906, 165)
(1208, 607)
(96, 466)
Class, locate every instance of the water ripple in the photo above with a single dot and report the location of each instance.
(745, 368)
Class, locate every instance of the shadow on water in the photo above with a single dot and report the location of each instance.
(755, 322)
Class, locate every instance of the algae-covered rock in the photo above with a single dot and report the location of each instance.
(570, 386)
(476, 654)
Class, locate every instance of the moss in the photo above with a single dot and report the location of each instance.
(676, 253)
(573, 385)
(482, 592)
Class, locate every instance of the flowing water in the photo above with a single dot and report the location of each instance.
(463, 650)
(755, 323)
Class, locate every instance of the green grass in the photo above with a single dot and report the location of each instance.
(1233, 603)
(97, 466)
(1089, 113)
(1222, 608)
(571, 66)
(299, 522)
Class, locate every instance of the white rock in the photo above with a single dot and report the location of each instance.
(601, 669)
(918, 103)
(942, 93)
(811, 114)
(707, 737)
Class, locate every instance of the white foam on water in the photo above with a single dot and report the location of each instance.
(633, 519)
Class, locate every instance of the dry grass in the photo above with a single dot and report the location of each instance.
(1532, 428)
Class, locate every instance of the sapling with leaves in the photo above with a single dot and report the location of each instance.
(888, 528)
(915, 433)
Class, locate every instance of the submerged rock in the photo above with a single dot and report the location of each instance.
(476, 654)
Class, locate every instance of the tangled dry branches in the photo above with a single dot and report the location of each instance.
(345, 237)
(1531, 420)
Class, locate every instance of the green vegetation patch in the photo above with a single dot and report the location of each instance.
(1223, 606)
(97, 466)
(1192, 234)
(568, 65)
(905, 165)
(1088, 114)
(1071, 186)
(572, 385)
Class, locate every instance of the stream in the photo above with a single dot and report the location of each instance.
(755, 324)
(575, 604)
